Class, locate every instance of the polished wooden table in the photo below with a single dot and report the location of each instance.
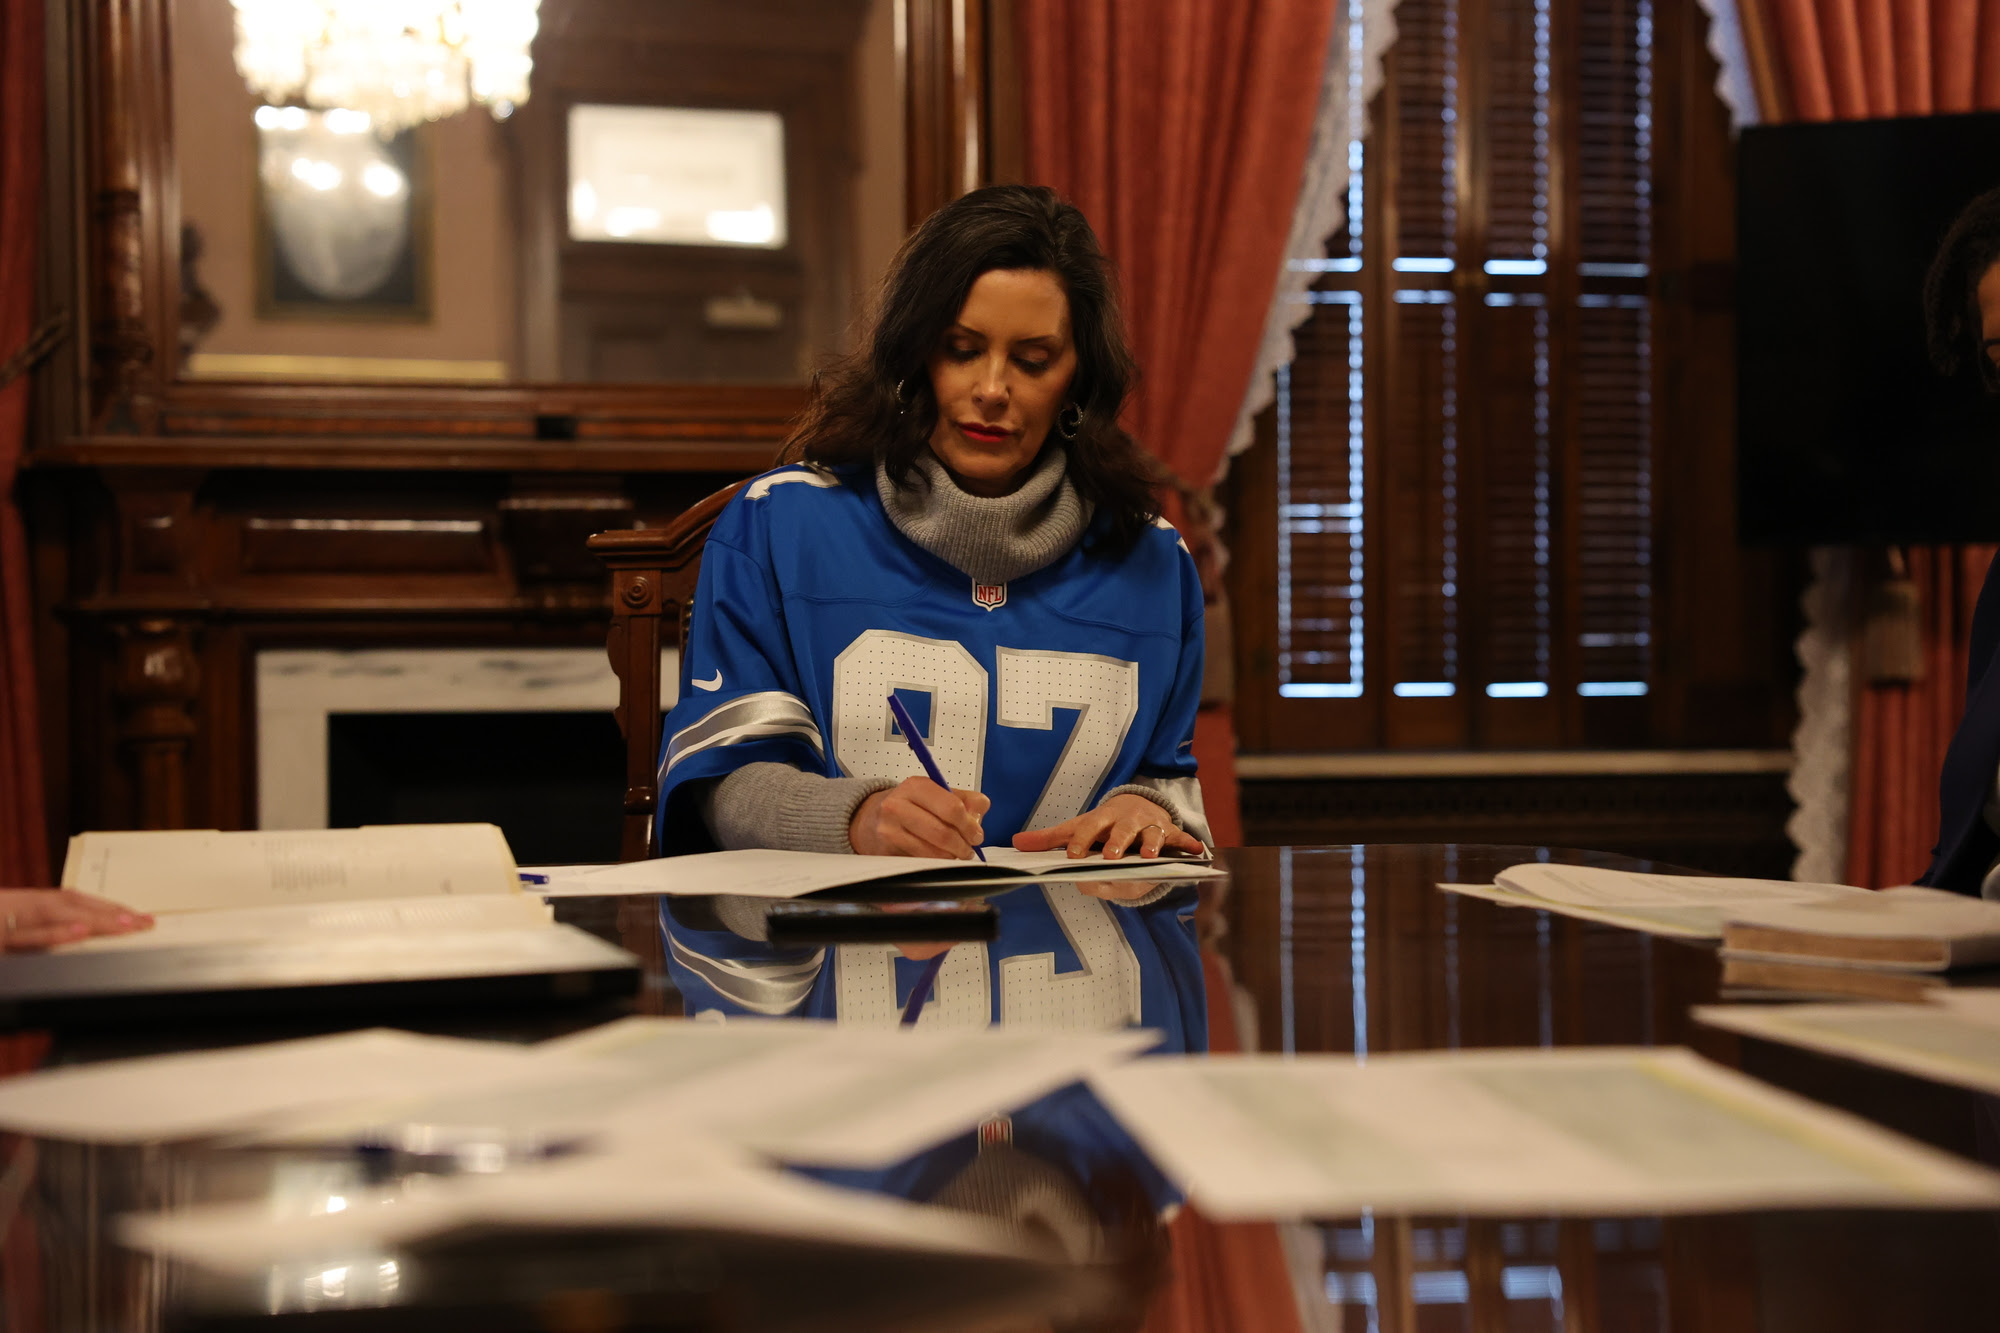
(1353, 949)
(1341, 949)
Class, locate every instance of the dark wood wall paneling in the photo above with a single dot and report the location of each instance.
(636, 312)
(179, 528)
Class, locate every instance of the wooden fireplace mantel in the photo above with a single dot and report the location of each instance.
(178, 527)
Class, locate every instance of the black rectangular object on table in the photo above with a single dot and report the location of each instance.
(1845, 431)
(808, 922)
(354, 979)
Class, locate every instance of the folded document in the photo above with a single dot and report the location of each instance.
(774, 874)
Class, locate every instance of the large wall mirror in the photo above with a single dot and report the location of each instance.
(698, 192)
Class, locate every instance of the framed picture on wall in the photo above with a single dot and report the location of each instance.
(343, 218)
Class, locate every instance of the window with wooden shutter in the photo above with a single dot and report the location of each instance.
(1462, 465)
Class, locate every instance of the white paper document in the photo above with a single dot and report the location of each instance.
(205, 1094)
(807, 1092)
(1581, 1132)
(774, 874)
(1691, 923)
(1952, 1038)
(1689, 906)
(678, 1179)
(191, 870)
(319, 922)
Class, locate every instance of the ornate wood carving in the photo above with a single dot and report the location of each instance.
(158, 683)
(130, 195)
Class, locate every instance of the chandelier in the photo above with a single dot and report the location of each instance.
(399, 62)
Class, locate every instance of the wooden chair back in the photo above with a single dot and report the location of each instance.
(653, 576)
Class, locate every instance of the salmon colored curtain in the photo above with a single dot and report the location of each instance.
(1180, 128)
(1850, 60)
(23, 832)
(1855, 59)
(1901, 730)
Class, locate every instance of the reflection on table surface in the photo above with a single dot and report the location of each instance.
(1333, 949)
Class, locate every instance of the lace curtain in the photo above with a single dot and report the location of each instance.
(1363, 30)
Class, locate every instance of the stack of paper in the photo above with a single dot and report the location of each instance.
(1687, 906)
(774, 874)
(1588, 1131)
(1749, 977)
(674, 1123)
(1911, 929)
(800, 1091)
(1955, 1039)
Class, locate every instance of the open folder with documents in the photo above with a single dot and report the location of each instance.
(774, 874)
(318, 919)
(1909, 928)
(1686, 906)
(206, 887)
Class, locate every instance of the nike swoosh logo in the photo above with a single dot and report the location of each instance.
(710, 685)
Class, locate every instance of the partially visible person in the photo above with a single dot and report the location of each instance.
(32, 919)
(1962, 309)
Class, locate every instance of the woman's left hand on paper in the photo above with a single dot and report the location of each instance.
(43, 918)
(1126, 822)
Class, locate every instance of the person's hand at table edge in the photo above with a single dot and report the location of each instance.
(918, 818)
(32, 919)
(1124, 823)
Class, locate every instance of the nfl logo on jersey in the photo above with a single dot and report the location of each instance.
(992, 596)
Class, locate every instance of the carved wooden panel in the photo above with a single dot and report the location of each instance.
(179, 528)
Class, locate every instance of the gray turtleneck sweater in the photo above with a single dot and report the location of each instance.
(995, 540)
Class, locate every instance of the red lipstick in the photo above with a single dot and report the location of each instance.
(981, 433)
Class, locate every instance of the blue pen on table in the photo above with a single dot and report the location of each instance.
(918, 748)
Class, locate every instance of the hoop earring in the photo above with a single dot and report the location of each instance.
(902, 402)
(1068, 427)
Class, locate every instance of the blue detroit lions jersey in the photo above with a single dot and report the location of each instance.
(1043, 693)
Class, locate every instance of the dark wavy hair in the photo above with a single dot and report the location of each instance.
(1951, 289)
(856, 417)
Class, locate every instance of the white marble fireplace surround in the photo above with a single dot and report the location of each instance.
(298, 687)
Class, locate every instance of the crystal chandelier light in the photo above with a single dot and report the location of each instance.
(399, 62)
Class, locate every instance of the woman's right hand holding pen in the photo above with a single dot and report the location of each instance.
(919, 818)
